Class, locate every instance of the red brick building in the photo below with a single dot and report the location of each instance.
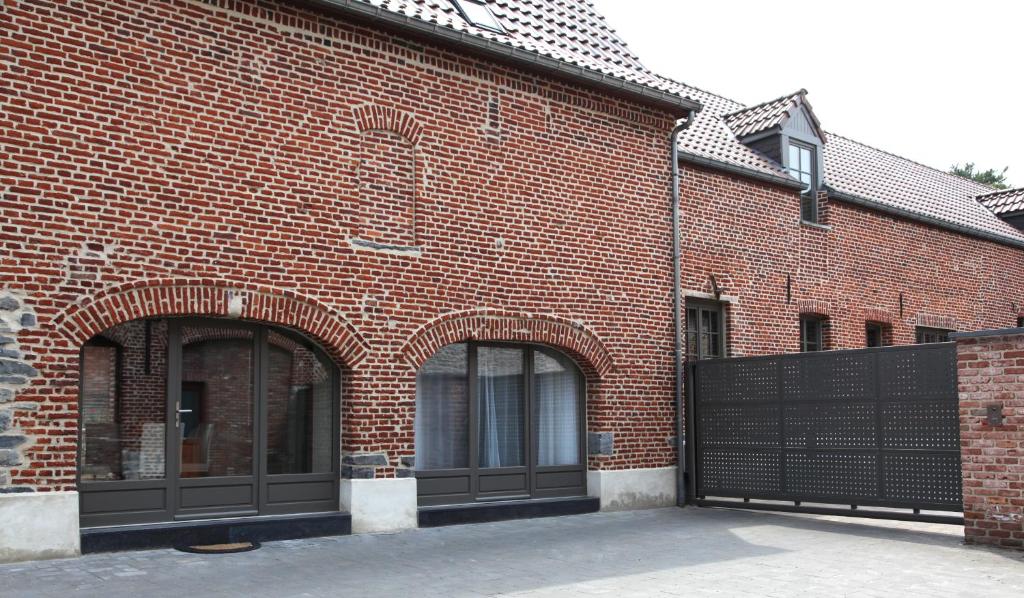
(409, 264)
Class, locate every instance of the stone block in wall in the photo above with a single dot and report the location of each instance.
(350, 472)
(365, 459)
(600, 443)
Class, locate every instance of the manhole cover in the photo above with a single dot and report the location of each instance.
(220, 548)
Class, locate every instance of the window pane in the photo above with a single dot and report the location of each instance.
(217, 401)
(442, 410)
(810, 330)
(794, 157)
(556, 385)
(124, 403)
(501, 405)
(808, 205)
(805, 159)
(300, 419)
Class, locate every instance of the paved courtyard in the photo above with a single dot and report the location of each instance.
(665, 552)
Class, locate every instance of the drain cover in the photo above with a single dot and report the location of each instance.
(220, 548)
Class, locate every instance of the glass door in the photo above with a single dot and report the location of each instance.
(190, 418)
(213, 418)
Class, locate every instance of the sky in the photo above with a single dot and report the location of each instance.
(938, 82)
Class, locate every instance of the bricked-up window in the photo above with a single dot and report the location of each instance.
(478, 14)
(705, 330)
(498, 421)
(811, 337)
(802, 168)
(926, 335)
(387, 189)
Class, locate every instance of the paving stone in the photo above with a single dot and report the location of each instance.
(661, 552)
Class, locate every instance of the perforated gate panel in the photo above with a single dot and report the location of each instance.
(871, 427)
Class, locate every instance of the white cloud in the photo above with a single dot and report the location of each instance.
(937, 82)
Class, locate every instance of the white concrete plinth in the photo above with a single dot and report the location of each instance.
(384, 505)
(38, 525)
(625, 489)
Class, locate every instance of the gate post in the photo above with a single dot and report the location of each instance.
(990, 367)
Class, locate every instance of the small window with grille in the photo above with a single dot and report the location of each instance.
(877, 334)
(931, 335)
(811, 338)
(705, 330)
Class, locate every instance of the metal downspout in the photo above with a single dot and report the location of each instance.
(677, 309)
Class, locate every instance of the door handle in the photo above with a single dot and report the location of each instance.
(184, 411)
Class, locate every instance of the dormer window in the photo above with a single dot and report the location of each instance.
(477, 13)
(786, 132)
(801, 166)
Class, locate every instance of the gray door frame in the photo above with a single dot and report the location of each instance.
(463, 485)
(125, 502)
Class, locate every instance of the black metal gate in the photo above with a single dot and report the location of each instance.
(851, 429)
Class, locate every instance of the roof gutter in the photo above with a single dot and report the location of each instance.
(740, 171)
(881, 207)
(682, 493)
(357, 10)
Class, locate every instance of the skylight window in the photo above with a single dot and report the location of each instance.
(478, 14)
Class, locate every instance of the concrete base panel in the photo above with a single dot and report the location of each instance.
(40, 525)
(380, 505)
(621, 490)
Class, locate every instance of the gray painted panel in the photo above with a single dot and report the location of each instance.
(147, 499)
(216, 496)
(800, 127)
(435, 486)
(560, 479)
(513, 482)
(300, 491)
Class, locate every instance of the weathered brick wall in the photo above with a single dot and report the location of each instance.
(991, 374)
(853, 270)
(223, 157)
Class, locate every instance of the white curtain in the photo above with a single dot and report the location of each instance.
(501, 404)
(556, 385)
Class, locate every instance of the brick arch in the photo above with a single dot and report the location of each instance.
(563, 334)
(201, 297)
(382, 118)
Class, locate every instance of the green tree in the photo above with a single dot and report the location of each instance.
(991, 177)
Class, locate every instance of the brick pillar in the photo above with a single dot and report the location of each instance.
(991, 379)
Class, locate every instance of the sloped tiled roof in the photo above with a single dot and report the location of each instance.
(570, 31)
(852, 169)
(1008, 201)
(769, 115)
(573, 33)
(710, 138)
(863, 171)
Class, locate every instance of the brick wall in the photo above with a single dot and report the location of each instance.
(225, 157)
(861, 266)
(991, 374)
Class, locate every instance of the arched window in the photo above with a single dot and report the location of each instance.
(499, 421)
(186, 417)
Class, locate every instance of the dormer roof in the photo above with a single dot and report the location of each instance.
(1004, 203)
(773, 115)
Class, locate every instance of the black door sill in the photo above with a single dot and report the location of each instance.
(434, 516)
(215, 531)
